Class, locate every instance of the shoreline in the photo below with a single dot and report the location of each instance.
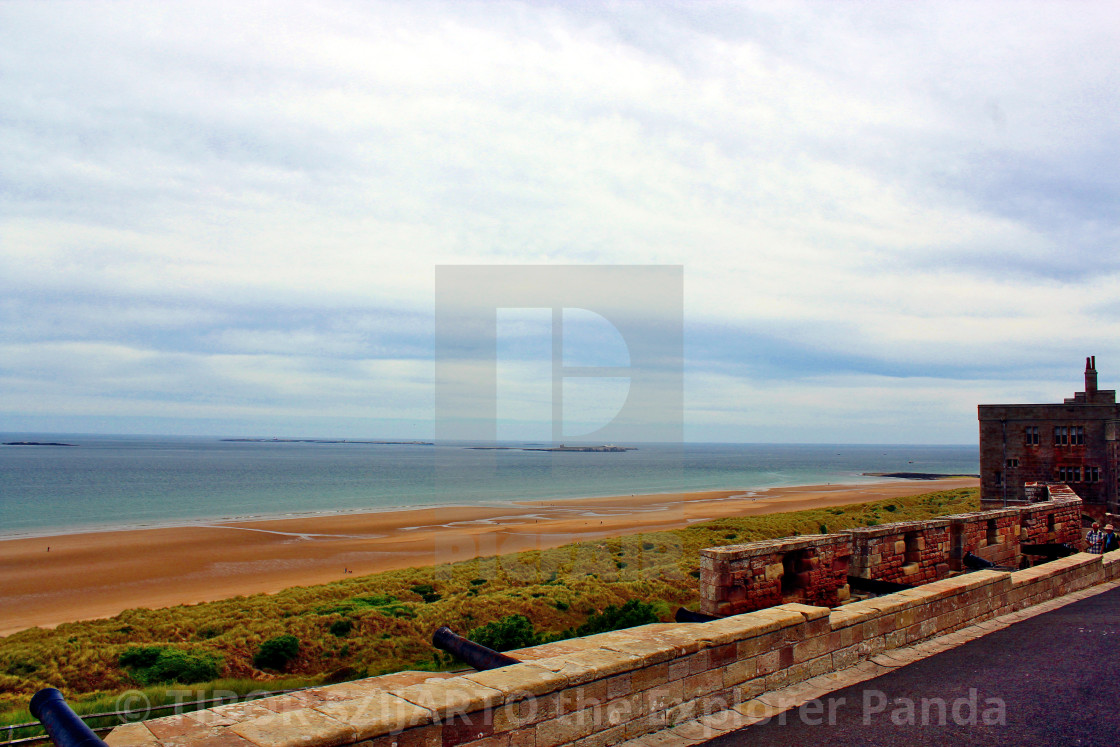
(852, 481)
(102, 573)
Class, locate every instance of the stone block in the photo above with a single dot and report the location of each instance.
(452, 696)
(376, 714)
(587, 666)
(301, 728)
(519, 681)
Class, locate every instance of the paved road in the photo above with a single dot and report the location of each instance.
(1053, 679)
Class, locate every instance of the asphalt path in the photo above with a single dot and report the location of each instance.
(1053, 679)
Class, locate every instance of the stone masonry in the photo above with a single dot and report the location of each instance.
(913, 552)
(606, 689)
(741, 578)
(991, 535)
(1057, 521)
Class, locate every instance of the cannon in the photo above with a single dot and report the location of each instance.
(975, 562)
(63, 725)
(474, 654)
(1049, 551)
(684, 615)
(875, 586)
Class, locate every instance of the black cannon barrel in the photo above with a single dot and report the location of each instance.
(975, 562)
(684, 615)
(475, 654)
(875, 586)
(1051, 550)
(63, 725)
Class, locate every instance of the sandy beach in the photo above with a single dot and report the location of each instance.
(100, 574)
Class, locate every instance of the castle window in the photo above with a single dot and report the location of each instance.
(1069, 474)
(999, 477)
(1092, 474)
(1031, 435)
(1012, 462)
(1077, 435)
(1061, 435)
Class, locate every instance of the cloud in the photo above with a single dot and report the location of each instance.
(860, 194)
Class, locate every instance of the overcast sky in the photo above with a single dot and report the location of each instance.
(225, 218)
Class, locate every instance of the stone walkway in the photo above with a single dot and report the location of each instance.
(734, 726)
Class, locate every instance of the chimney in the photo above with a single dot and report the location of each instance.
(1091, 374)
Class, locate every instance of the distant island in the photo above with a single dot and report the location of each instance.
(35, 443)
(611, 448)
(325, 441)
(915, 475)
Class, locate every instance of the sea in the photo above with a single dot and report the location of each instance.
(101, 482)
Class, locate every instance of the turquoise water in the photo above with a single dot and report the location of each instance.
(105, 482)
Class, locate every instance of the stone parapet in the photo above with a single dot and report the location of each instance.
(1057, 521)
(991, 535)
(605, 689)
(908, 552)
(741, 578)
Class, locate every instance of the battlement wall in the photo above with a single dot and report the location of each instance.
(605, 689)
(740, 578)
(909, 552)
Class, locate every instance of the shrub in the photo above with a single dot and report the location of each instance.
(140, 657)
(426, 592)
(635, 612)
(514, 631)
(152, 665)
(341, 627)
(275, 653)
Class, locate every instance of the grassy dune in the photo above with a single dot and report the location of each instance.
(383, 622)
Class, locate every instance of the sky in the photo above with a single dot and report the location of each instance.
(225, 218)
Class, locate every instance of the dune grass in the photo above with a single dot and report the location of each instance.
(383, 622)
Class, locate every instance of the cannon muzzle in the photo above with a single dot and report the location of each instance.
(474, 654)
(1050, 551)
(62, 724)
(875, 586)
(685, 615)
(975, 562)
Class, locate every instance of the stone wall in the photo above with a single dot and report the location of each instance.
(991, 535)
(1055, 521)
(742, 578)
(908, 552)
(608, 688)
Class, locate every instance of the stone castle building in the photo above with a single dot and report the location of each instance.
(1023, 447)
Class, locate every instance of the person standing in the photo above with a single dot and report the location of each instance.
(1111, 541)
(1094, 540)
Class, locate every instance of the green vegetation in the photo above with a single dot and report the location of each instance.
(635, 612)
(275, 653)
(513, 631)
(151, 665)
(363, 626)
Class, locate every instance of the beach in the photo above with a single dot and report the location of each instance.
(46, 581)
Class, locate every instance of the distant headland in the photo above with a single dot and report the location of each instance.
(914, 475)
(605, 448)
(325, 441)
(35, 443)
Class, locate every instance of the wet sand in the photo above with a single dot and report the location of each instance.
(100, 574)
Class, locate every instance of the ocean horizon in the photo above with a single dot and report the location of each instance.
(107, 482)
